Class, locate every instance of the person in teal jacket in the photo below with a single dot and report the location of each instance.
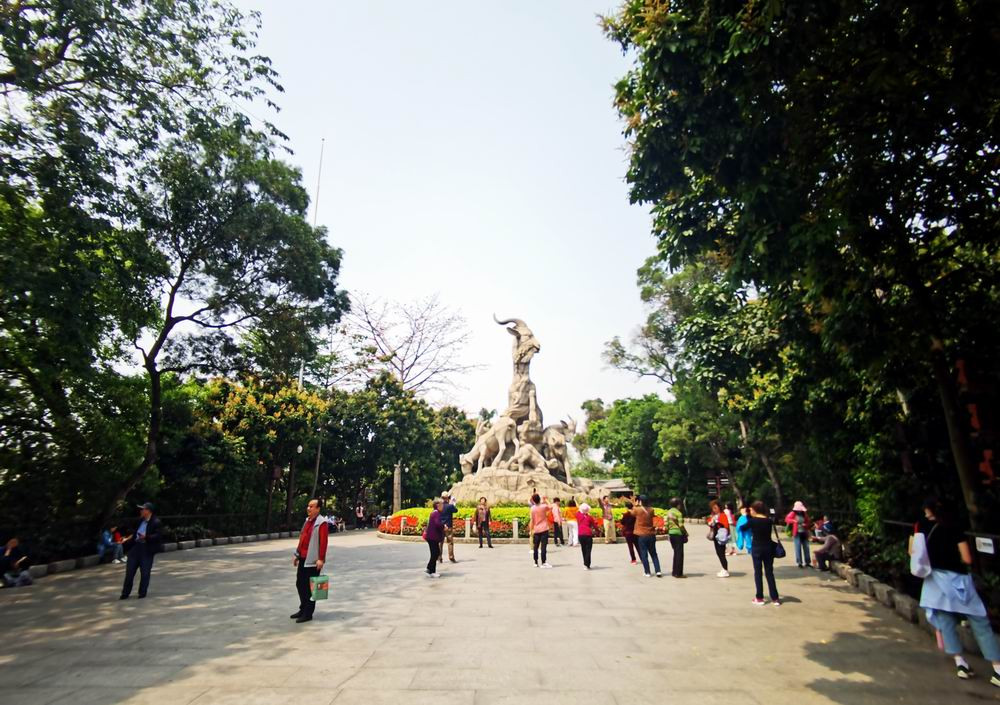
(744, 539)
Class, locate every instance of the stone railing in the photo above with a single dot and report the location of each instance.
(43, 569)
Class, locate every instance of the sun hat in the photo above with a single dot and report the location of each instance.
(799, 507)
(585, 508)
(445, 495)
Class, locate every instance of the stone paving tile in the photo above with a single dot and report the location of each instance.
(493, 629)
(262, 696)
(456, 695)
(33, 696)
(99, 695)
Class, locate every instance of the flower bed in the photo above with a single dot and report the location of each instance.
(411, 522)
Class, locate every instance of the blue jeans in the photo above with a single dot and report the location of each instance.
(647, 549)
(801, 549)
(947, 622)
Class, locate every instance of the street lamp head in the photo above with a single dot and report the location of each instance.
(298, 449)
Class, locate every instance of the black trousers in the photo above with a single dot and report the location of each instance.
(139, 558)
(302, 584)
(557, 537)
(763, 560)
(540, 538)
(633, 545)
(435, 554)
(484, 530)
(677, 543)
(586, 546)
(720, 551)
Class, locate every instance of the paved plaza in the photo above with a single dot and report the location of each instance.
(492, 631)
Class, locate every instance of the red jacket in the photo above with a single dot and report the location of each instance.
(324, 532)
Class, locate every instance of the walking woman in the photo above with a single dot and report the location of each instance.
(539, 526)
(434, 535)
(483, 522)
(762, 552)
(744, 539)
(948, 594)
(585, 527)
(557, 522)
(718, 534)
(677, 534)
(645, 534)
(571, 525)
(628, 531)
(730, 512)
(801, 525)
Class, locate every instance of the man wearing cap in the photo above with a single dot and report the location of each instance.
(142, 546)
(448, 511)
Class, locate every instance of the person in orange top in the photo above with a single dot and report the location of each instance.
(718, 534)
(557, 522)
(540, 514)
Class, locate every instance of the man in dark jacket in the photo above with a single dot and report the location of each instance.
(448, 512)
(142, 546)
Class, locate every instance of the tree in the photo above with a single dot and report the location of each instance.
(845, 148)
(628, 436)
(226, 225)
(420, 342)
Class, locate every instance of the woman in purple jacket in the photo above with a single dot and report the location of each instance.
(434, 535)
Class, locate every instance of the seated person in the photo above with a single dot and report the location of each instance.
(111, 543)
(14, 564)
(830, 550)
(823, 528)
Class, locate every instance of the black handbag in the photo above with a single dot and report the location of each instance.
(779, 549)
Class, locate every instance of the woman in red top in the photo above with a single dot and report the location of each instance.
(718, 534)
(586, 524)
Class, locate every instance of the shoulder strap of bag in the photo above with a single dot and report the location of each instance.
(773, 526)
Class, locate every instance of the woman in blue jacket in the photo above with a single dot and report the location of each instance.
(744, 539)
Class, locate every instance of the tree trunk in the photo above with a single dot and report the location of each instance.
(724, 467)
(152, 439)
(968, 472)
(779, 497)
(319, 454)
(270, 498)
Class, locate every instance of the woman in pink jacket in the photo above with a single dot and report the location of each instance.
(586, 525)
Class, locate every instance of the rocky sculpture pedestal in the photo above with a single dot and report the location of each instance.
(501, 486)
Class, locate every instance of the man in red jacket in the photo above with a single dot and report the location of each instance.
(309, 558)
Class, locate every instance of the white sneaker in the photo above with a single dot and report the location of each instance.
(647, 575)
(546, 565)
(722, 574)
(536, 565)
(659, 574)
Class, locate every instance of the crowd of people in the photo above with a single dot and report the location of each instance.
(940, 553)
(752, 530)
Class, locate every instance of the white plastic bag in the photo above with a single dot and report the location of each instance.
(920, 560)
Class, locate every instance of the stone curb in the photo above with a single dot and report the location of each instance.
(904, 605)
(43, 569)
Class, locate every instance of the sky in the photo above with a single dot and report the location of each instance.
(472, 151)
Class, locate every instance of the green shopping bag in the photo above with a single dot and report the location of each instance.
(320, 587)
